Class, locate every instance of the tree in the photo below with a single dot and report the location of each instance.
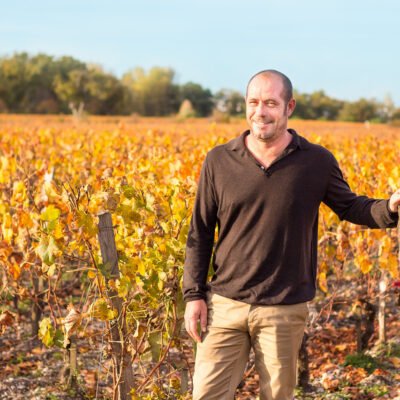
(39, 96)
(303, 109)
(153, 93)
(3, 106)
(230, 101)
(27, 82)
(316, 105)
(386, 108)
(395, 115)
(323, 106)
(91, 87)
(64, 66)
(13, 81)
(361, 110)
(201, 99)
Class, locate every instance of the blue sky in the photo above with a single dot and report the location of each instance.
(347, 48)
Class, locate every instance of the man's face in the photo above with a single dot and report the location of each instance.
(266, 109)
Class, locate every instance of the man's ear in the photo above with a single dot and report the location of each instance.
(291, 106)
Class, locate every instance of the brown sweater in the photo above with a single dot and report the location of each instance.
(267, 219)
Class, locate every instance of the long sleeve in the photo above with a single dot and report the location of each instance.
(361, 210)
(200, 238)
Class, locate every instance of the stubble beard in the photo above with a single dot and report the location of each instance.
(265, 137)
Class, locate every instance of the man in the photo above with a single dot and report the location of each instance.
(263, 191)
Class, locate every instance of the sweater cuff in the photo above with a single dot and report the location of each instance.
(392, 214)
(194, 297)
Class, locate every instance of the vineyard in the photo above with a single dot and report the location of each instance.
(75, 325)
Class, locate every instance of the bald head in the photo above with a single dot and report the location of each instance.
(287, 93)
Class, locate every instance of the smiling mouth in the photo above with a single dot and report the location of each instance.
(261, 123)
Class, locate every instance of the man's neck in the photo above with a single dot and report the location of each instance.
(266, 152)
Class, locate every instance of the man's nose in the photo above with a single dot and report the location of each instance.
(260, 109)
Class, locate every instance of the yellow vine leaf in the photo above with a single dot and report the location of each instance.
(47, 250)
(26, 220)
(101, 310)
(91, 274)
(86, 222)
(322, 282)
(364, 263)
(50, 214)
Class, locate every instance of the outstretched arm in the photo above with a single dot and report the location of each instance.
(361, 210)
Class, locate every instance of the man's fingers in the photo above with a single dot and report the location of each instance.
(203, 320)
(191, 328)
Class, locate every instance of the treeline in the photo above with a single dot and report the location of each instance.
(48, 85)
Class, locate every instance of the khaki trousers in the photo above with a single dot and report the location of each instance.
(274, 332)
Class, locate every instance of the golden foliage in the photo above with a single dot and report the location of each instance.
(56, 176)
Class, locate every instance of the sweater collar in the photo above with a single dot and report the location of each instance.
(297, 141)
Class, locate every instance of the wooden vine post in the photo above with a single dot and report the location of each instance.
(382, 307)
(121, 358)
(358, 316)
(67, 375)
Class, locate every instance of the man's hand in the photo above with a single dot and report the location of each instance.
(195, 310)
(394, 201)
